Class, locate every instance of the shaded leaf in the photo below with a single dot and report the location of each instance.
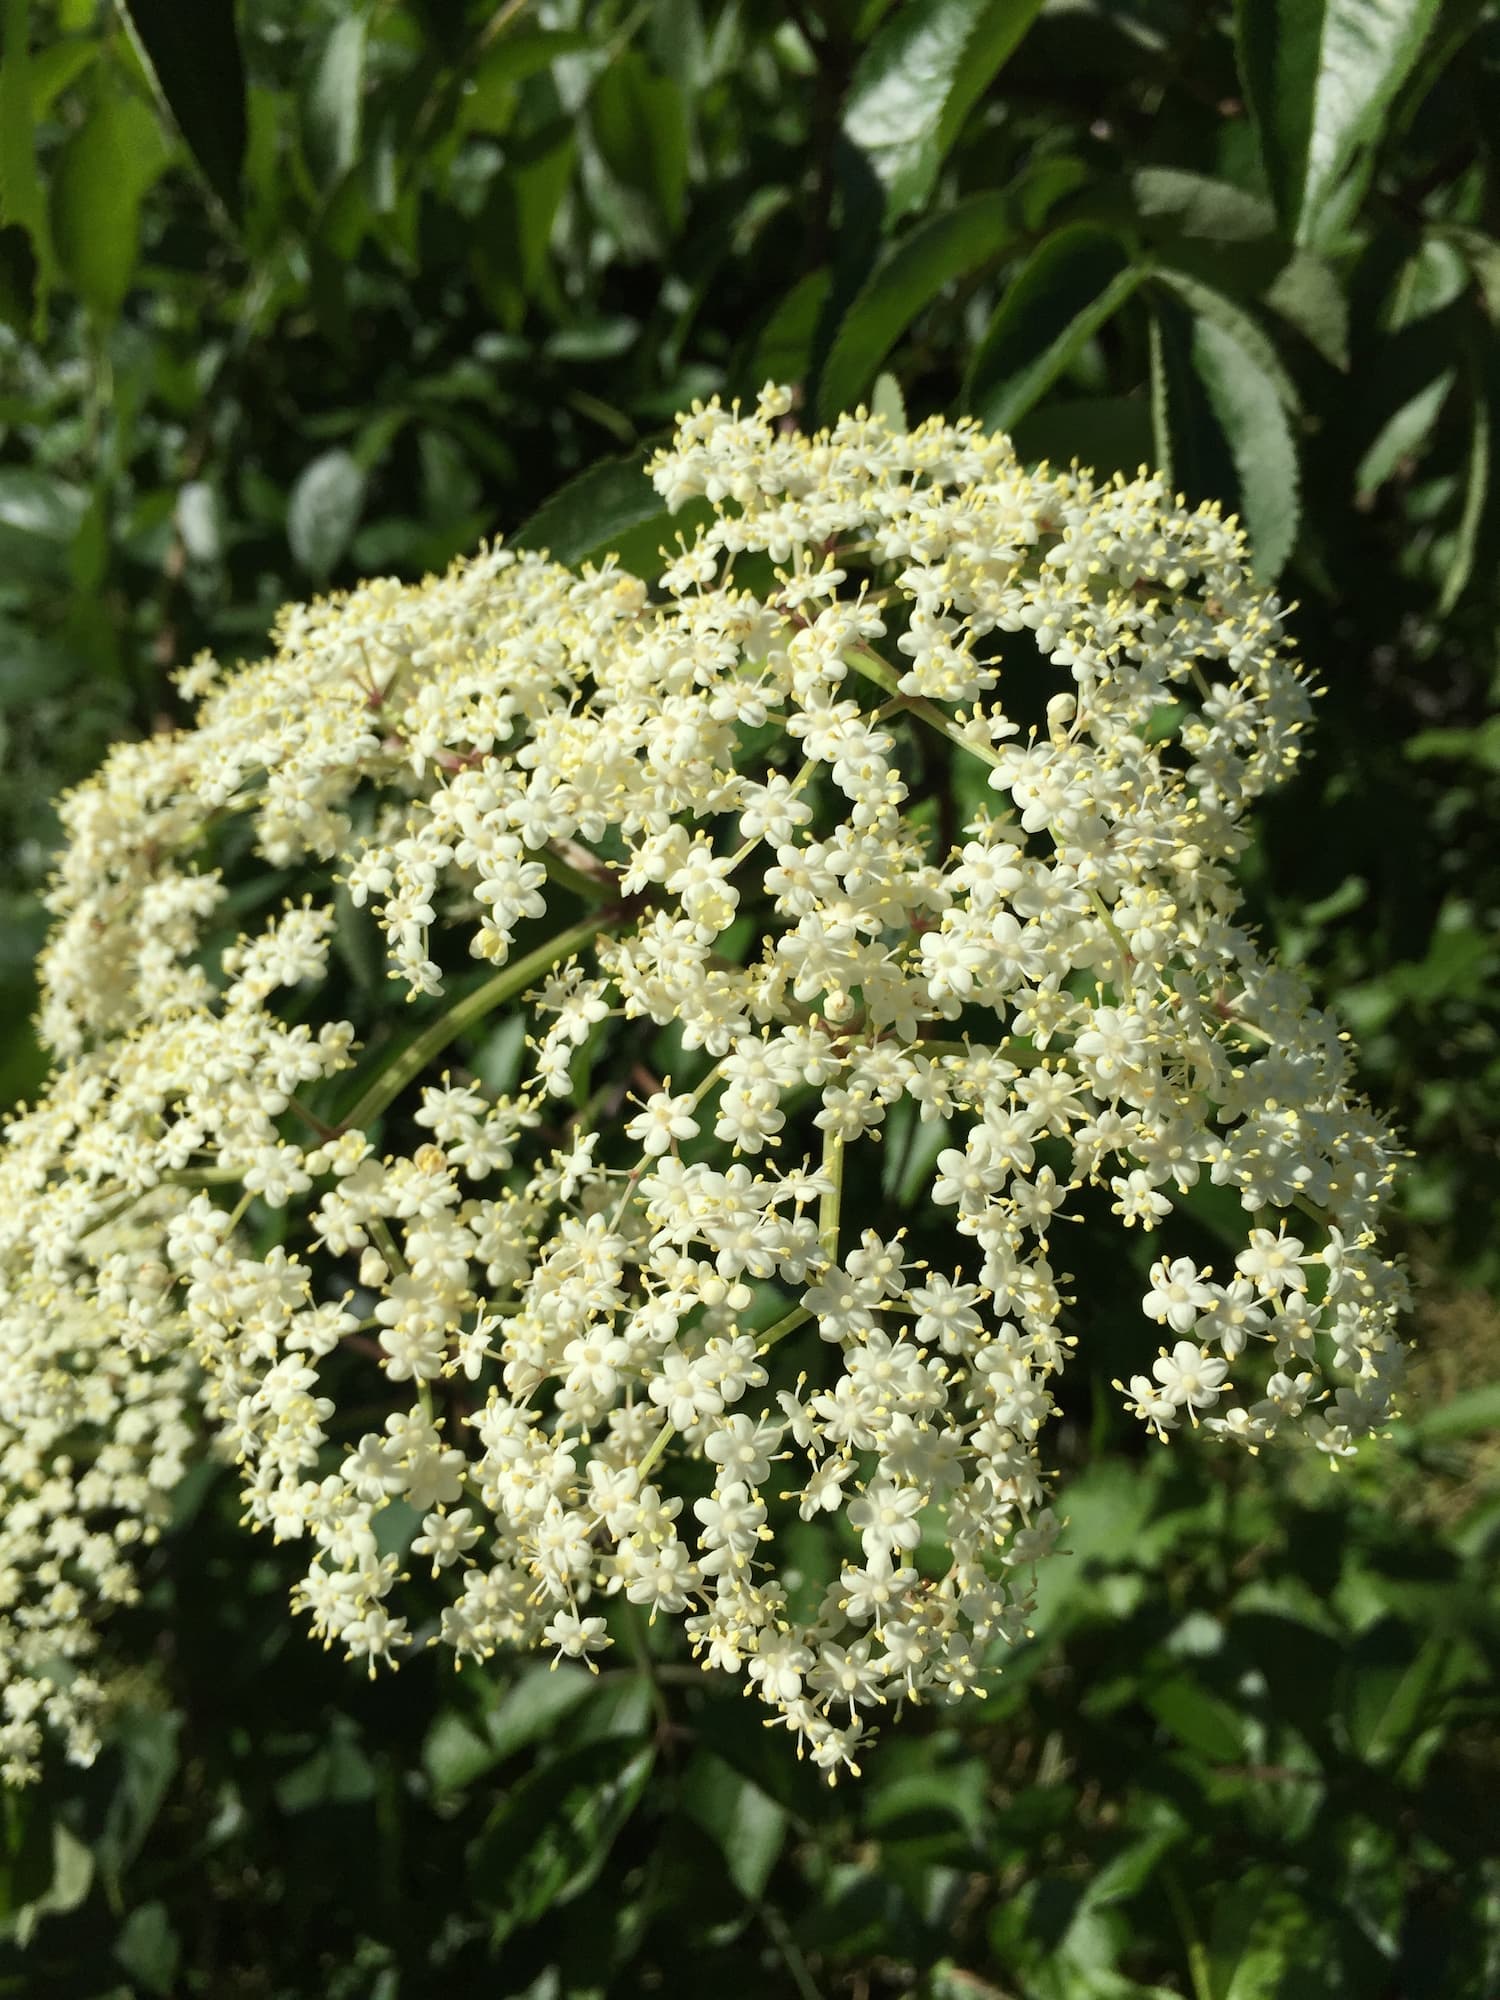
(1405, 434)
(1476, 493)
(747, 1827)
(1198, 1719)
(944, 247)
(1249, 409)
(103, 171)
(1070, 286)
(548, 1839)
(147, 1947)
(784, 347)
(1210, 304)
(194, 56)
(18, 277)
(639, 121)
(918, 80)
(21, 202)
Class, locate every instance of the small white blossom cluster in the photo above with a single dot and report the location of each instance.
(908, 797)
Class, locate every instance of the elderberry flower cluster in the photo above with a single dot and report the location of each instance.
(853, 905)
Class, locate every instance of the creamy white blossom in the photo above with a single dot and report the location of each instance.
(605, 1331)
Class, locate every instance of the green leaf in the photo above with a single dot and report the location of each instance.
(1405, 434)
(1211, 304)
(323, 510)
(548, 1839)
(1476, 1410)
(785, 342)
(1199, 205)
(1318, 76)
(887, 401)
(1476, 492)
(101, 176)
(21, 202)
(912, 274)
(335, 96)
(193, 55)
(612, 509)
(1392, 1686)
(539, 1698)
(1248, 406)
(147, 1947)
(1300, 288)
(639, 121)
(747, 1826)
(1199, 1720)
(1072, 283)
(918, 80)
(1482, 254)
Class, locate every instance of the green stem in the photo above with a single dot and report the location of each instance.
(654, 1450)
(388, 1083)
(788, 1323)
(832, 1201)
(880, 671)
(567, 874)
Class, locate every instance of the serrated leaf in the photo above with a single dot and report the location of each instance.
(587, 516)
(918, 80)
(335, 100)
(1173, 203)
(1072, 283)
(1318, 75)
(939, 250)
(193, 55)
(103, 171)
(1250, 413)
(1306, 293)
(1161, 411)
(324, 509)
(1210, 304)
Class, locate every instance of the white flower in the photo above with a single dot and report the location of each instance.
(565, 1285)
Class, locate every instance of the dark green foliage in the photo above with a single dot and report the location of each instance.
(319, 290)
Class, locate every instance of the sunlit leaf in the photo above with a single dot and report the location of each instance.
(323, 510)
(1318, 74)
(335, 100)
(918, 80)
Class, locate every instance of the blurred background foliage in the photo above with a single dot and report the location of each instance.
(305, 290)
